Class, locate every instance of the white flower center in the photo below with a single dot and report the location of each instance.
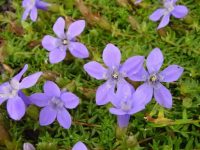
(65, 42)
(169, 6)
(125, 106)
(56, 103)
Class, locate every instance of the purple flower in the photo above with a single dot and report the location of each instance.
(54, 103)
(125, 104)
(114, 74)
(11, 91)
(170, 8)
(79, 146)
(65, 40)
(153, 77)
(28, 146)
(31, 7)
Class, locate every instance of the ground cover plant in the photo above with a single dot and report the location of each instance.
(79, 96)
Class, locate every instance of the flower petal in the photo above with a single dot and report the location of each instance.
(143, 94)
(180, 11)
(40, 99)
(57, 56)
(171, 73)
(95, 70)
(42, 5)
(64, 118)
(20, 74)
(50, 43)
(16, 108)
(142, 75)
(111, 56)
(132, 65)
(163, 96)
(75, 29)
(47, 116)
(33, 14)
(70, 100)
(30, 80)
(104, 93)
(25, 14)
(28, 146)
(24, 98)
(79, 146)
(164, 21)
(123, 120)
(59, 27)
(154, 60)
(116, 111)
(78, 50)
(157, 14)
(51, 89)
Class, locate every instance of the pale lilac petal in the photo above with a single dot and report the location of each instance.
(154, 60)
(51, 89)
(30, 80)
(171, 73)
(25, 14)
(2, 100)
(47, 116)
(116, 111)
(111, 56)
(25, 3)
(78, 50)
(20, 74)
(64, 118)
(16, 108)
(180, 11)
(132, 65)
(28, 146)
(79, 146)
(59, 27)
(156, 15)
(137, 106)
(143, 94)
(50, 43)
(33, 14)
(95, 70)
(123, 120)
(39, 99)
(24, 98)
(42, 5)
(57, 55)
(70, 100)
(163, 96)
(75, 29)
(104, 93)
(142, 75)
(164, 21)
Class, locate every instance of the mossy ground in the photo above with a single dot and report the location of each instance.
(128, 27)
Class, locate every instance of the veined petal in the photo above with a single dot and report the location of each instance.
(78, 50)
(171, 73)
(20, 74)
(163, 96)
(47, 116)
(132, 65)
(164, 21)
(40, 99)
(156, 15)
(180, 11)
(50, 43)
(59, 27)
(33, 14)
(116, 111)
(123, 120)
(154, 60)
(95, 70)
(111, 56)
(64, 118)
(16, 108)
(57, 55)
(75, 29)
(51, 89)
(30, 80)
(70, 100)
(104, 93)
(79, 146)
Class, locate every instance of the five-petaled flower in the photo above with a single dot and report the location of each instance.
(65, 40)
(125, 104)
(54, 103)
(153, 77)
(31, 7)
(170, 8)
(115, 73)
(11, 91)
(79, 146)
